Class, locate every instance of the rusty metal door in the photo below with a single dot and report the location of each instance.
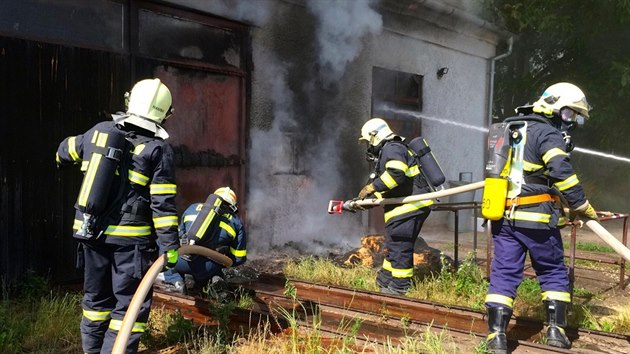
(207, 132)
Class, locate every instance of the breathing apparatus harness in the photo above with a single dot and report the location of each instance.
(109, 160)
(430, 175)
(504, 169)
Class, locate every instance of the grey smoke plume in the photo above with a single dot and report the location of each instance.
(290, 183)
(342, 25)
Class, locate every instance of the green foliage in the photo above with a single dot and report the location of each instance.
(45, 325)
(466, 287)
(554, 43)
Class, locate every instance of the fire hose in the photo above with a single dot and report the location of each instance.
(337, 206)
(131, 315)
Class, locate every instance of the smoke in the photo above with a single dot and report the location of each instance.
(341, 27)
(294, 161)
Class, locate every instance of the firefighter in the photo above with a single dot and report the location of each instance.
(226, 235)
(533, 216)
(396, 174)
(126, 202)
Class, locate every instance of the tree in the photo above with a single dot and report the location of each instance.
(585, 42)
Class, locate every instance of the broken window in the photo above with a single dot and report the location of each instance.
(394, 91)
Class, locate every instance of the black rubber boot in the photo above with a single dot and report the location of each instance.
(498, 319)
(557, 322)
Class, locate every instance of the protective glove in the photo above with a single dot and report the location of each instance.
(171, 259)
(584, 211)
(366, 191)
(351, 206)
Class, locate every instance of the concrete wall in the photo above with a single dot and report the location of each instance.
(311, 92)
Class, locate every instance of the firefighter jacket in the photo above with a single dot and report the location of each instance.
(141, 201)
(227, 236)
(398, 175)
(546, 170)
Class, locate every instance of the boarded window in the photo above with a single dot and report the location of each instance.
(166, 36)
(94, 23)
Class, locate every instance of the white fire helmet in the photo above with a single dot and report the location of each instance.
(561, 95)
(374, 131)
(149, 106)
(227, 194)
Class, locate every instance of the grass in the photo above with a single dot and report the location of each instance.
(466, 286)
(323, 270)
(35, 319)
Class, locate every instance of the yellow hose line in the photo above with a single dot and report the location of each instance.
(120, 345)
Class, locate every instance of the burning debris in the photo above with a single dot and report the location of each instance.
(426, 260)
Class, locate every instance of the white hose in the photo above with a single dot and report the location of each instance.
(120, 345)
(611, 240)
(419, 197)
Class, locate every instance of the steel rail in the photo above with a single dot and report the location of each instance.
(384, 318)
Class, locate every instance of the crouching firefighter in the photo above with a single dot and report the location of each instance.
(213, 224)
(126, 202)
(398, 173)
(527, 175)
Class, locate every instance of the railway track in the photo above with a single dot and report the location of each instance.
(378, 318)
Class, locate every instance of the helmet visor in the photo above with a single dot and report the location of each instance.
(570, 116)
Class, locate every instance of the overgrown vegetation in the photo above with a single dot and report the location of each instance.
(36, 319)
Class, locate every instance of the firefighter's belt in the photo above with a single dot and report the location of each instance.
(531, 199)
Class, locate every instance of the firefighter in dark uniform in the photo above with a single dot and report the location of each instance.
(395, 172)
(126, 202)
(226, 236)
(532, 217)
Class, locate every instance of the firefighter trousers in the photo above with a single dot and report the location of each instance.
(511, 245)
(112, 274)
(396, 275)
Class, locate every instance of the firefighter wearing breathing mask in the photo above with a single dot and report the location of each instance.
(126, 202)
(214, 224)
(539, 176)
(395, 171)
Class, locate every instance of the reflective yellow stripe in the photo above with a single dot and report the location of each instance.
(165, 221)
(95, 316)
(206, 222)
(388, 180)
(567, 183)
(86, 187)
(530, 166)
(500, 299)
(528, 216)
(72, 149)
(228, 228)
(190, 218)
(553, 153)
(138, 327)
(120, 230)
(556, 295)
(77, 224)
(397, 165)
(165, 188)
(407, 208)
(238, 253)
(101, 141)
(138, 178)
(396, 272)
(85, 165)
(413, 171)
(138, 149)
